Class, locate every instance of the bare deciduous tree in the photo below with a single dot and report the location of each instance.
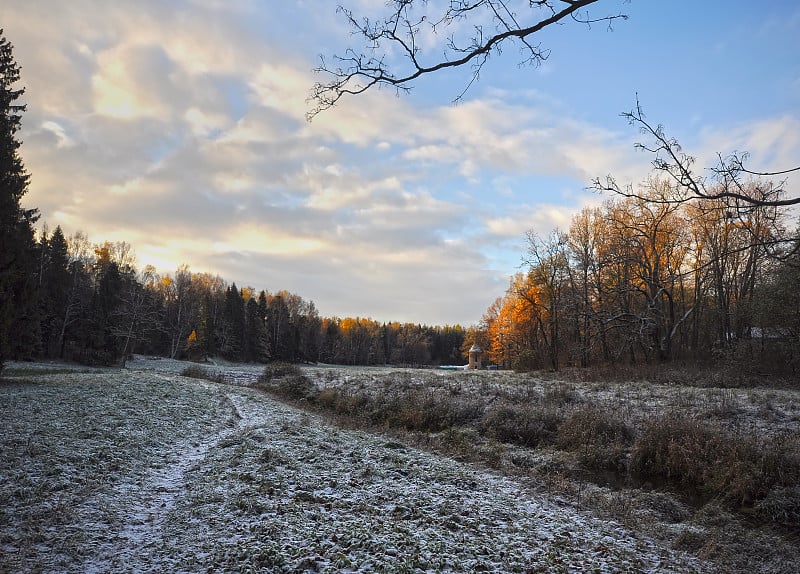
(473, 31)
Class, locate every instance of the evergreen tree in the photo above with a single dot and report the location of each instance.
(207, 325)
(233, 325)
(107, 299)
(56, 286)
(255, 342)
(18, 269)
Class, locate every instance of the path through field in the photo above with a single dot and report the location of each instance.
(153, 472)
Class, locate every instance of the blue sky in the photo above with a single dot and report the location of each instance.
(179, 127)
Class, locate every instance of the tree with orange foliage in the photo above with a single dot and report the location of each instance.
(546, 288)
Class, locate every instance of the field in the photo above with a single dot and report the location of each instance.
(148, 470)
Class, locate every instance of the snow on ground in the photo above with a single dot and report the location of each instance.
(147, 471)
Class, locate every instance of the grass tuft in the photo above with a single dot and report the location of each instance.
(199, 372)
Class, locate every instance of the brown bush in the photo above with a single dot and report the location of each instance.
(420, 410)
(405, 408)
(560, 394)
(601, 440)
(279, 370)
(198, 372)
(287, 381)
(706, 460)
(329, 400)
(524, 425)
(782, 506)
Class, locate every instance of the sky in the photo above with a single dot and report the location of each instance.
(179, 127)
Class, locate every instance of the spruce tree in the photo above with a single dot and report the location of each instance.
(233, 325)
(255, 340)
(18, 269)
(56, 287)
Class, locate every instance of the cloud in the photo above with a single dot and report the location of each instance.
(180, 129)
(541, 219)
(773, 144)
(62, 138)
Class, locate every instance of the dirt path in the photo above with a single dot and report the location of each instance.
(146, 504)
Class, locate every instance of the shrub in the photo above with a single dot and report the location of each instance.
(782, 506)
(328, 399)
(278, 370)
(601, 440)
(706, 460)
(680, 451)
(198, 372)
(409, 409)
(526, 361)
(288, 381)
(524, 425)
(560, 394)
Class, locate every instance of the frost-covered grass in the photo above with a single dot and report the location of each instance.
(73, 444)
(710, 469)
(148, 471)
(298, 494)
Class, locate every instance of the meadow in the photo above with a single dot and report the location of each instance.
(172, 466)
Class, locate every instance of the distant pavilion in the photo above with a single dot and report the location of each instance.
(475, 357)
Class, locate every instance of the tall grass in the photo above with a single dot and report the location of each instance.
(702, 460)
(708, 461)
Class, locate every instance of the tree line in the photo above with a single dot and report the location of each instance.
(644, 278)
(93, 306)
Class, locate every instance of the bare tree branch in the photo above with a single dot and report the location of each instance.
(730, 180)
(494, 23)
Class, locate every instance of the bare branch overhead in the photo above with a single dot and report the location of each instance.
(492, 24)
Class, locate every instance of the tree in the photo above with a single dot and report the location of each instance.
(79, 294)
(210, 292)
(548, 280)
(446, 344)
(181, 308)
(491, 25)
(18, 302)
(411, 348)
(652, 243)
(138, 314)
(232, 333)
(256, 348)
(102, 342)
(278, 328)
(55, 290)
(732, 256)
(776, 312)
(586, 240)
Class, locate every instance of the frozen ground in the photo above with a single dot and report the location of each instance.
(146, 471)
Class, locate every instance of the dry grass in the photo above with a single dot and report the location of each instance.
(705, 460)
(693, 445)
(709, 470)
(701, 457)
(199, 372)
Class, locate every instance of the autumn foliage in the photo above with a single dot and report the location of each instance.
(645, 279)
